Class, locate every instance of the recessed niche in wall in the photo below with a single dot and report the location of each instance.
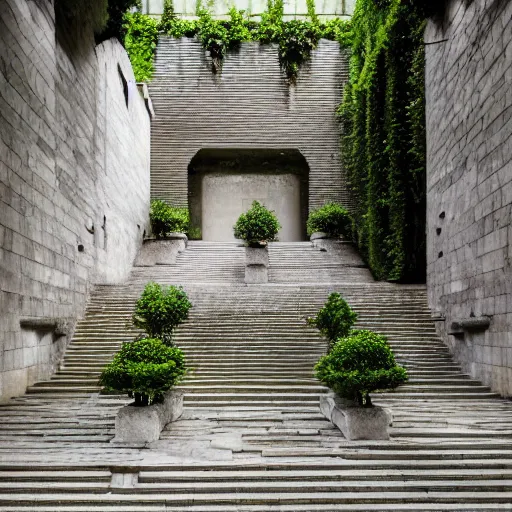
(440, 255)
(442, 215)
(438, 231)
(80, 248)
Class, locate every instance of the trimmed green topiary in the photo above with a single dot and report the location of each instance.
(336, 319)
(359, 364)
(144, 369)
(167, 219)
(257, 225)
(331, 218)
(160, 310)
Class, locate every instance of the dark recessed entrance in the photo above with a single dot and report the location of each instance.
(224, 182)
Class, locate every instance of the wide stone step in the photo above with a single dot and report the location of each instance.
(308, 498)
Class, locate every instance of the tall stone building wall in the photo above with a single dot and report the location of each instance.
(469, 138)
(74, 180)
(248, 105)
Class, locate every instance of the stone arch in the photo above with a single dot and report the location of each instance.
(223, 182)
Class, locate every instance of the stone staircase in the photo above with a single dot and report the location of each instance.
(252, 437)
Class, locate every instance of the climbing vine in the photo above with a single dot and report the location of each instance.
(141, 37)
(383, 142)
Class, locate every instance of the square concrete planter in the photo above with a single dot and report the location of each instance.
(356, 422)
(141, 425)
(161, 252)
(256, 265)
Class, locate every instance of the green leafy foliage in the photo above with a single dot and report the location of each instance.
(160, 309)
(175, 26)
(144, 369)
(359, 364)
(295, 39)
(335, 319)
(383, 142)
(332, 218)
(167, 219)
(141, 37)
(257, 225)
(337, 30)
(195, 233)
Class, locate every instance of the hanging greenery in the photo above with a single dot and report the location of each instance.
(383, 142)
(295, 39)
(141, 37)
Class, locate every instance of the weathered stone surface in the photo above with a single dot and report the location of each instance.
(469, 182)
(256, 256)
(141, 425)
(356, 422)
(74, 179)
(163, 252)
(256, 274)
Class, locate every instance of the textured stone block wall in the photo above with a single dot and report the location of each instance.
(469, 127)
(248, 105)
(74, 174)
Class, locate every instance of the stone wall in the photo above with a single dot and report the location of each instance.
(469, 127)
(74, 180)
(249, 105)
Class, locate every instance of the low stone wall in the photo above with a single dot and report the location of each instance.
(469, 132)
(74, 180)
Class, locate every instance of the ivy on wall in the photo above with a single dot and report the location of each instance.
(295, 39)
(140, 40)
(383, 141)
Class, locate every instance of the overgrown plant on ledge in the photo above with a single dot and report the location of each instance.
(295, 39)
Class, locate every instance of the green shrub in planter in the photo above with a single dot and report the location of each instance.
(359, 364)
(332, 219)
(144, 369)
(257, 225)
(160, 310)
(336, 319)
(167, 219)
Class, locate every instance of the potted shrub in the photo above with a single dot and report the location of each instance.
(335, 319)
(256, 227)
(166, 220)
(357, 365)
(147, 370)
(169, 226)
(329, 221)
(160, 309)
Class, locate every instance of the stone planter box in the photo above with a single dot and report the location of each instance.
(161, 252)
(141, 425)
(356, 422)
(256, 265)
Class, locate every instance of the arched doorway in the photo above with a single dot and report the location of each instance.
(223, 183)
